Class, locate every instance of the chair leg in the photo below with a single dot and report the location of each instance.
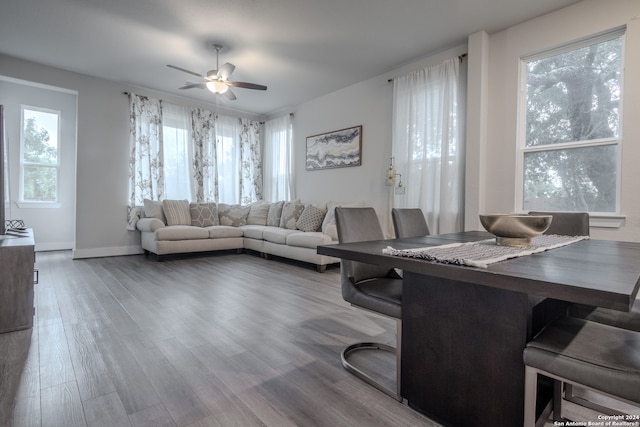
(530, 396)
(376, 346)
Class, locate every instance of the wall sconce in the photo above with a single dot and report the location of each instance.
(391, 179)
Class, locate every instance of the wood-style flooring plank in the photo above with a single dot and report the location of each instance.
(106, 411)
(61, 406)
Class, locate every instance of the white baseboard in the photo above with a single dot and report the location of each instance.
(53, 246)
(106, 252)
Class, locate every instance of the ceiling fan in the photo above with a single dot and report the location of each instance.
(217, 80)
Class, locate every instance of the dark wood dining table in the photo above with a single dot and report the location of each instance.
(464, 328)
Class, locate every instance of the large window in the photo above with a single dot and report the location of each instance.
(570, 142)
(39, 161)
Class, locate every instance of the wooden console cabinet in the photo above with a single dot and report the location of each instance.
(17, 258)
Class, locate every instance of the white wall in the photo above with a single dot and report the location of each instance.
(505, 50)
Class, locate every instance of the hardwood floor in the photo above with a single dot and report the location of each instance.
(219, 340)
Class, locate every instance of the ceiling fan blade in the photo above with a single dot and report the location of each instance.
(186, 71)
(225, 71)
(191, 85)
(229, 95)
(246, 85)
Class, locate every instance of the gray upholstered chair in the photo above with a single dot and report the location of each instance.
(409, 222)
(591, 355)
(567, 223)
(371, 287)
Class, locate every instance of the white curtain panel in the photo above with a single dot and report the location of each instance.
(278, 172)
(251, 188)
(146, 179)
(204, 184)
(428, 143)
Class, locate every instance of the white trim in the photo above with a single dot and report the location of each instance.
(54, 246)
(106, 252)
(38, 205)
(609, 221)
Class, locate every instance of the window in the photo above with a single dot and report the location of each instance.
(39, 162)
(570, 140)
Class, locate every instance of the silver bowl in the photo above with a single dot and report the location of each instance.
(515, 229)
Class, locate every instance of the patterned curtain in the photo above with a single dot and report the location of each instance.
(146, 158)
(205, 183)
(251, 160)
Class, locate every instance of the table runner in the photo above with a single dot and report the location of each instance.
(484, 252)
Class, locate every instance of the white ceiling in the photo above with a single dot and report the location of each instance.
(300, 49)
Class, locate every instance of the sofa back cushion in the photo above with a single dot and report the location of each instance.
(258, 213)
(177, 212)
(311, 218)
(291, 211)
(275, 212)
(204, 214)
(153, 209)
(233, 215)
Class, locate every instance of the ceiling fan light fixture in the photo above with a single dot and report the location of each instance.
(217, 87)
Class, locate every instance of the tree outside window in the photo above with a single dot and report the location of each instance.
(39, 160)
(571, 139)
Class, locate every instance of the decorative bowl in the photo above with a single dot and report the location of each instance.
(515, 229)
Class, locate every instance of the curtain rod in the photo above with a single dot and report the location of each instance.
(460, 57)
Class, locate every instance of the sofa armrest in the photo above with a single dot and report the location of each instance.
(149, 224)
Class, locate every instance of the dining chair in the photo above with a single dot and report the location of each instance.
(591, 355)
(567, 223)
(409, 222)
(371, 287)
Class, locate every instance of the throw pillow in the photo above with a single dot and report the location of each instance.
(291, 211)
(329, 223)
(311, 218)
(275, 212)
(153, 209)
(177, 212)
(233, 215)
(204, 214)
(258, 213)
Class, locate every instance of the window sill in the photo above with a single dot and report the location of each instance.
(39, 205)
(608, 221)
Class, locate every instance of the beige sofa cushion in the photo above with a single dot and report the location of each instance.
(153, 209)
(233, 215)
(204, 214)
(311, 217)
(253, 231)
(291, 211)
(177, 212)
(221, 231)
(181, 232)
(258, 213)
(308, 240)
(277, 234)
(275, 212)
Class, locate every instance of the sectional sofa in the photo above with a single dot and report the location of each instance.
(289, 229)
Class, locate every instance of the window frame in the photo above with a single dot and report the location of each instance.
(521, 147)
(39, 203)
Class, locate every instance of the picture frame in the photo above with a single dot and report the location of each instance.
(335, 149)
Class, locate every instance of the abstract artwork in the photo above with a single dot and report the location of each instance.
(335, 149)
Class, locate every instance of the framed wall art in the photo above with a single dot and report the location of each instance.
(336, 149)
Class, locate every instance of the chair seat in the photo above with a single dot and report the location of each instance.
(592, 354)
(382, 295)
